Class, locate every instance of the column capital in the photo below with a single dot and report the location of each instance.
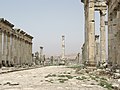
(1, 30)
(103, 12)
(8, 34)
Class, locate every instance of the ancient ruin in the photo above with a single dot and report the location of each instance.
(114, 31)
(63, 47)
(15, 45)
(90, 6)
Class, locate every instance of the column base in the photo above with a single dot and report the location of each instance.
(91, 63)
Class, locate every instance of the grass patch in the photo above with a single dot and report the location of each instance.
(105, 84)
(68, 76)
(51, 80)
(81, 78)
(50, 75)
(103, 79)
(96, 78)
(74, 67)
(61, 80)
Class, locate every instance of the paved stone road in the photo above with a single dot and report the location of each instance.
(47, 78)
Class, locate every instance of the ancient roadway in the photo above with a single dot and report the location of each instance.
(47, 78)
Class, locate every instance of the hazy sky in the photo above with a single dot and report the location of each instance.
(47, 21)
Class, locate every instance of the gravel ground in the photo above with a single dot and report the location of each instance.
(48, 78)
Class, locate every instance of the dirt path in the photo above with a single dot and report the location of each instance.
(48, 78)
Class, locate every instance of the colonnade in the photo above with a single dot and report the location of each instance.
(15, 45)
(90, 6)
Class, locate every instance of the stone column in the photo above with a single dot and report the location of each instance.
(63, 47)
(19, 51)
(97, 50)
(16, 52)
(11, 50)
(41, 53)
(102, 36)
(27, 51)
(8, 49)
(22, 51)
(86, 34)
(118, 35)
(30, 48)
(91, 34)
(0, 47)
(4, 48)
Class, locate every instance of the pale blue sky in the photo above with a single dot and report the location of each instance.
(47, 21)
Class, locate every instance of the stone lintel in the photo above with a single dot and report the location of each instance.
(97, 8)
(6, 22)
(82, 1)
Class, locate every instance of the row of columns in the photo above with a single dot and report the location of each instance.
(15, 45)
(89, 46)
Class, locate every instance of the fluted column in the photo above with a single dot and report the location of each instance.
(24, 59)
(8, 49)
(0, 47)
(118, 35)
(15, 50)
(29, 54)
(4, 48)
(41, 53)
(102, 37)
(63, 47)
(25, 50)
(21, 51)
(11, 50)
(97, 50)
(91, 34)
(30, 47)
(27, 59)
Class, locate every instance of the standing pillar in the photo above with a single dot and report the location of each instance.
(0, 47)
(30, 54)
(63, 47)
(4, 49)
(102, 37)
(118, 35)
(24, 50)
(8, 49)
(27, 49)
(97, 50)
(11, 50)
(15, 46)
(19, 51)
(41, 53)
(91, 34)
